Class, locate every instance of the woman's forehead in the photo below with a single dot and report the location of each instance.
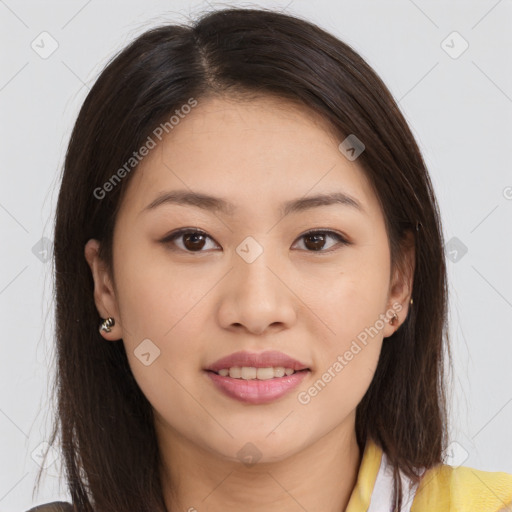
(246, 149)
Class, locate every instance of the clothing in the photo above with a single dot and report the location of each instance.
(55, 506)
(442, 489)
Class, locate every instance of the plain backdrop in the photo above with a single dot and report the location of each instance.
(448, 65)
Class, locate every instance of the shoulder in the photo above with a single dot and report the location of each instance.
(54, 506)
(449, 488)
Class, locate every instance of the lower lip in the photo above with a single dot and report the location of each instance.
(257, 391)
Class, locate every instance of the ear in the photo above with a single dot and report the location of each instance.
(104, 294)
(400, 287)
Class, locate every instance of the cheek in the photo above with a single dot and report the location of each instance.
(348, 352)
(350, 348)
(355, 297)
(336, 391)
(352, 308)
(154, 299)
(159, 314)
(161, 335)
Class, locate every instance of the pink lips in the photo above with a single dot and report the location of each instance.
(257, 391)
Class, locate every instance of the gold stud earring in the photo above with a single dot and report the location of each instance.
(394, 319)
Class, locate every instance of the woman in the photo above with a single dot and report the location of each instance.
(251, 286)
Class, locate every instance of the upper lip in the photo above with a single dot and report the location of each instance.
(270, 358)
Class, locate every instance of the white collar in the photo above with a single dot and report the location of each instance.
(382, 495)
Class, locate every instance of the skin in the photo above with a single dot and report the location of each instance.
(199, 306)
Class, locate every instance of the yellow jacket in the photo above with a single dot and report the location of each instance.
(443, 488)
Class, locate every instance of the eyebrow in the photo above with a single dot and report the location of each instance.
(217, 204)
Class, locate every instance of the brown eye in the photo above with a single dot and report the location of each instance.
(315, 241)
(192, 240)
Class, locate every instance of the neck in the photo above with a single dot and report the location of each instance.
(319, 478)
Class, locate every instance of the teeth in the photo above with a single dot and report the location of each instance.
(250, 373)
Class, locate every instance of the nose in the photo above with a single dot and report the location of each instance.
(257, 297)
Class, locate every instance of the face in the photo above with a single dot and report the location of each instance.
(250, 277)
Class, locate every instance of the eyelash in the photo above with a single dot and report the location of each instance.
(185, 231)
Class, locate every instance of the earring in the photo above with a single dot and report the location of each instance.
(107, 324)
(394, 319)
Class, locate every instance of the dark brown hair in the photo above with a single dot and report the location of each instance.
(104, 421)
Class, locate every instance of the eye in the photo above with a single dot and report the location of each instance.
(316, 239)
(194, 240)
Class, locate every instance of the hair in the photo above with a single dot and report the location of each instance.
(104, 421)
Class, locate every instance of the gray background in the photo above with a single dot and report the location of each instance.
(459, 106)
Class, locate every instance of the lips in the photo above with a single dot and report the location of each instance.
(270, 358)
(256, 392)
